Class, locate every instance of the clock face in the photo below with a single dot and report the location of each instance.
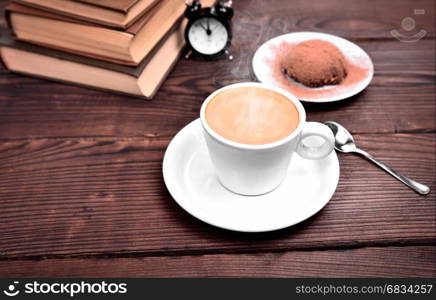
(208, 36)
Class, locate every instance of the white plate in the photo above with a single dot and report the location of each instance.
(265, 54)
(190, 179)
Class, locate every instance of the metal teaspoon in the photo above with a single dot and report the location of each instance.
(344, 142)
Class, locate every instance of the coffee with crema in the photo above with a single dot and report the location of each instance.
(252, 115)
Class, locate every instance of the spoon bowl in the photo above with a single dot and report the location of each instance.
(344, 141)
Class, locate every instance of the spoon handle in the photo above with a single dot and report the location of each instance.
(416, 186)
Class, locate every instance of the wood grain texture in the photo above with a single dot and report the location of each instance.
(364, 262)
(100, 197)
(403, 86)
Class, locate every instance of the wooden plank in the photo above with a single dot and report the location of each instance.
(403, 86)
(102, 196)
(365, 262)
(356, 19)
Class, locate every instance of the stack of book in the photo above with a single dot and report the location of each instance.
(127, 46)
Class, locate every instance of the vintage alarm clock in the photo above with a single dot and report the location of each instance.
(208, 33)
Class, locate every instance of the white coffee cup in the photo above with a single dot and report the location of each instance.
(258, 169)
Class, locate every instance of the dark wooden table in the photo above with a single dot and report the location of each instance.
(81, 188)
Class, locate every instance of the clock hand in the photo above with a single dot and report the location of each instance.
(208, 31)
(216, 26)
(202, 26)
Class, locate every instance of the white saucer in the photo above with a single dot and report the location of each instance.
(353, 53)
(190, 179)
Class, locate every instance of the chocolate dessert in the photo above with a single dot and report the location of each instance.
(315, 63)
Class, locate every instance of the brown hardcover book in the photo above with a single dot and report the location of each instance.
(142, 80)
(109, 13)
(128, 46)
